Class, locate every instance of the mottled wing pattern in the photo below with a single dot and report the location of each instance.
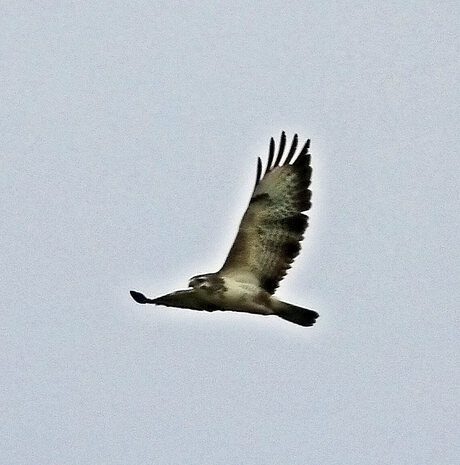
(272, 228)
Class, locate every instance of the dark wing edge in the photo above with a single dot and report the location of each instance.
(267, 211)
(303, 156)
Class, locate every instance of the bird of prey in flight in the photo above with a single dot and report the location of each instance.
(267, 243)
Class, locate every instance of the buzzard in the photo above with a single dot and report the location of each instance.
(267, 243)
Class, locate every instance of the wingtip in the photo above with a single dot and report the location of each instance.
(138, 297)
(280, 149)
(259, 166)
(259, 171)
(271, 153)
(304, 156)
(292, 150)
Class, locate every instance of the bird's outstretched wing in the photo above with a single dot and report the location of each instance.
(272, 228)
(186, 298)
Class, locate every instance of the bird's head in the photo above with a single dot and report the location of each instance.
(201, 281)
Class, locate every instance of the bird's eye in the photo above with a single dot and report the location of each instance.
(197, 280)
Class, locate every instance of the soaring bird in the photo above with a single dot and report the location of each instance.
(267, 242)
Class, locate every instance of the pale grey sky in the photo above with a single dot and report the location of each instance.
(129, 138)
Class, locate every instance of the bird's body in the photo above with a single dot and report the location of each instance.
(231, 294)
(267, 242)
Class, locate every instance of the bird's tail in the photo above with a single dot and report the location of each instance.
(298, 315)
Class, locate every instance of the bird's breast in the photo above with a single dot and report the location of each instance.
(240, 296)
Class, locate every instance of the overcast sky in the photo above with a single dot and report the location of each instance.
(129, 138)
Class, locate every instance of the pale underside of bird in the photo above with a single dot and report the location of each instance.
(267, 243)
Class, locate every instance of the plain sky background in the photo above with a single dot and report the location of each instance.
(129, 138)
